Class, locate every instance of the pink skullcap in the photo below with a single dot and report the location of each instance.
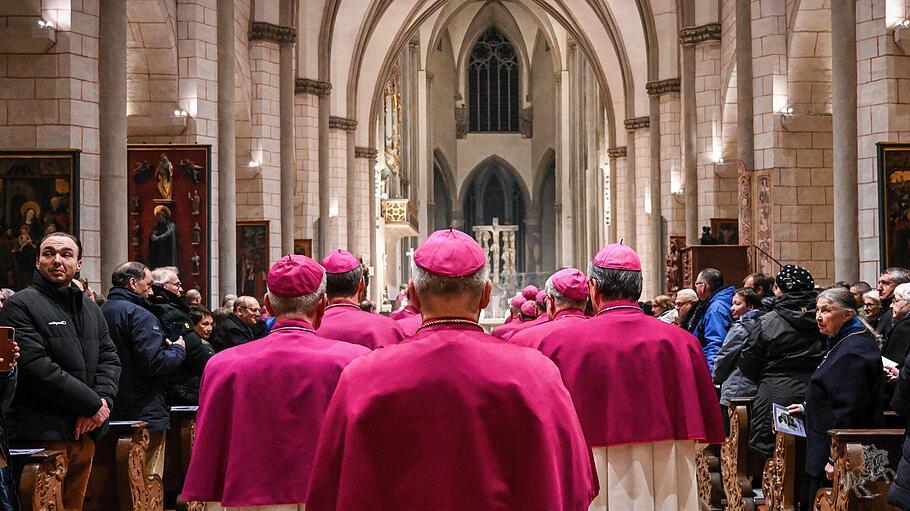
(571, 283)
(529, 309)
(617, 256)
(340, 261)
(294, 275)
(450, 253)
(529, 292)
(541, 298)
(517, 301)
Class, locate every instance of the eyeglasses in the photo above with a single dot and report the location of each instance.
(257, 310)
(699, 283)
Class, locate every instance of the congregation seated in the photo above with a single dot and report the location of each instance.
(746, 307)
(236, 327)
(183, 384)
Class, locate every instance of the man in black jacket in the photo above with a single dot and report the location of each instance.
(889, 280)
(174, 315)
(147, 356)
(68, 368)
(237, 327)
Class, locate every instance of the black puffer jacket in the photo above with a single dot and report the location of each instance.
(67, 361)
(899, 494)
(146, 359)
(781, 353)
(183, 384)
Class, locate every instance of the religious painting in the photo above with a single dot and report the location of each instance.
(725, 231)
(252, 257)
(169, 202)
(38, 195)
(303, 247)
(894, 203)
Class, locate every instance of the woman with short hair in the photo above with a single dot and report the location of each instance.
(846, 390)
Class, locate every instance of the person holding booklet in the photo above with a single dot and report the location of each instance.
(847, 389)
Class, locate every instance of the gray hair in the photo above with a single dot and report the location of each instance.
(840, 296)
(297, 305)
(561, 299)
(7, 292)
(161, 276)
(687, 293)
(898, 274)
(902, 291)
(426, 282)
(613, 284)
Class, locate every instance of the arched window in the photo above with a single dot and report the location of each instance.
(493, 84)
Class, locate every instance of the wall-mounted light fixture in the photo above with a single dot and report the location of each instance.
(179, 113)
(253, 164)
(45, 24)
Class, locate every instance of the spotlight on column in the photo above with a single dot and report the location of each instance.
(45, 24)
(905, 23)
(719, 161)
(253, 164)
(179, 113)
(787, 110)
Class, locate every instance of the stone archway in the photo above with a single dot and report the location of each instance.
(495, 190)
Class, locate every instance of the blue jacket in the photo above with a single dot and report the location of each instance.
(712, 328)
(145, 358)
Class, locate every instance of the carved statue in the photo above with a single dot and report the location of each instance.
(192, 171)
(163, 240)
(142, 171)
(194, 200)
(135, 205)
(197, 234)
(195, 262)
(134, 237)
(508, 256)
(164, 174)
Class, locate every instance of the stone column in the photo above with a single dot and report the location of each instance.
(656, 220)
(690, 163)
(286, 85)
(112, 110)
(325, 105)
(843, 104)
(227, 212)
(745, 143)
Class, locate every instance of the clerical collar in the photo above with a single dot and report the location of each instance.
(618, 304)
(569, 313)
(342, 304)
(450, 321)
(286, 325)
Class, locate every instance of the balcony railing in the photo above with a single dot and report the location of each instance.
(400, 214)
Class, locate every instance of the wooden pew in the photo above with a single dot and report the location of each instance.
(40, 477)
(178, 448)
(710, 486)
(783, 478)
(119, 477)
(856, 485)
(737, 462)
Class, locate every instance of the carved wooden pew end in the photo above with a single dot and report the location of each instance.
(864, 460)
(40, 479)
(120, 479)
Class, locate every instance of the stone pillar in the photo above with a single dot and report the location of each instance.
(656, 219)
(630, 227)
(843, 104)
(227, 212)
(745, 143)
(690, 163)
(325, 106)
(112, 110)
(286, 86)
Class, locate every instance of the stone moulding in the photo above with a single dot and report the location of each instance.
(617, 152)
(700, 34)
(314, 87)
(262, 31)
(342, 123)
(637, 123)
(663, 86)
(366, 152)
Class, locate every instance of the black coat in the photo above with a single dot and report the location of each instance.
(146, 359)
(899, 494)
(183, 384)
(7, 392)
(783, 350)
(67, 362)
(230, 332)
(844, 392)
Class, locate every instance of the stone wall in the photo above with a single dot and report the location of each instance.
(306, 192)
